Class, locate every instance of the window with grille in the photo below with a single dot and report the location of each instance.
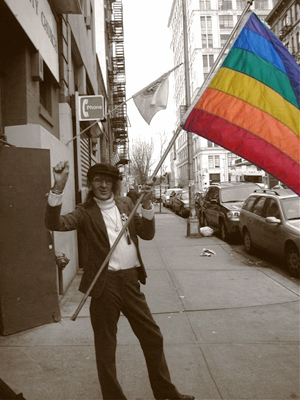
(225, 5)
(208, 60)
(205, 23)
(240, 4)
(204, 5)
(261, 5)
(226, 21)
(223, 39)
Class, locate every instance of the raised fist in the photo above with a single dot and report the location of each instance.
(61, 173)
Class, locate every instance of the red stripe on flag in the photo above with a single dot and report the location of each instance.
(246, 145)
(252, 120)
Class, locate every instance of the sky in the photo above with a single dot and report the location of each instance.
(147, 56)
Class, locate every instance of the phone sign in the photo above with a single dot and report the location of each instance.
(91, 108)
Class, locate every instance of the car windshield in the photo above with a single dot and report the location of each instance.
(291, 207)
(232, 194)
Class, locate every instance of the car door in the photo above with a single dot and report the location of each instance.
(273, 237)
(214, 207)
(256, 222)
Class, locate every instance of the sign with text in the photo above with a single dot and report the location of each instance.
(39, 23)
(91, 108)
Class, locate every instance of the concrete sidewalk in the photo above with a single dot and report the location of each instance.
(231, 330)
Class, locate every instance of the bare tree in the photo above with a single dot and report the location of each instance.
(141, 160)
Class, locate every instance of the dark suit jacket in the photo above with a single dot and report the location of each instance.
(87, 218)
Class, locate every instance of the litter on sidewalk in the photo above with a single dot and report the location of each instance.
(206, 231)
(207, 253)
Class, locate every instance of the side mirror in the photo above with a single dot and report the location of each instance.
(273, 220)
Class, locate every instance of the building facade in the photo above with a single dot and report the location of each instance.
(48, 60)
(284, 21)
(209, 24)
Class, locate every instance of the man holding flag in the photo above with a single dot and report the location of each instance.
(100, 219)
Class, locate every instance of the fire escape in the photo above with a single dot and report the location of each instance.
(117, 81)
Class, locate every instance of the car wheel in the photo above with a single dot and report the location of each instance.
(223, 231)
(293, 260)
(248, 242)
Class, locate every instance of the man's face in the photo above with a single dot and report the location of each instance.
(101, 186)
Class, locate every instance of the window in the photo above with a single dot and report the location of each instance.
(211, 144)
(261, 4)
(259, 205)
(204, 5)
(249, 202)
(205, 23)
(213, 193)
(208, 61)
(223, 39)
(207, 41)
(45, 90)
(214, 161)
(272, 209)
(240, 4)
(226, 21)
(225, 5)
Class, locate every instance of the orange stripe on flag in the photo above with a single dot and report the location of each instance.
(252, 119)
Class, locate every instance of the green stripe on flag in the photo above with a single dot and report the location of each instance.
(252, 65)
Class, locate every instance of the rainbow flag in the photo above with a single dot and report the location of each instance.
(251, 106)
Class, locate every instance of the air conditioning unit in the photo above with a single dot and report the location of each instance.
(37, 67)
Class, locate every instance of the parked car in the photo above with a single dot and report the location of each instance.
(222, 204)
(270, 219)
(181, 204)
(172, 196)
(166, 196)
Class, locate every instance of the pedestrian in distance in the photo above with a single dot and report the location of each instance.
(117, 290)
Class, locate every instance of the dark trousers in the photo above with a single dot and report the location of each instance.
(122, 294)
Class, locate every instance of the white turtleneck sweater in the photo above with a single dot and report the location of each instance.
(125, 255)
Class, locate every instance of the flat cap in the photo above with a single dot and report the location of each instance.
(104, 169)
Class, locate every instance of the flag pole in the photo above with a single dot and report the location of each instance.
(237, 26)
(98, 120)
(120, 105)
(164, 156)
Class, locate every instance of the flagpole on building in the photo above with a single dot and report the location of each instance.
(124, 102)
(125, 226)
